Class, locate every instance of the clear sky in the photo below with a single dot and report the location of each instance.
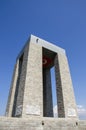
(62, 22)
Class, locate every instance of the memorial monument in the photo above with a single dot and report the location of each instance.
(30, 104)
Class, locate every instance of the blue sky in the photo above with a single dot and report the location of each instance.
(62, 22)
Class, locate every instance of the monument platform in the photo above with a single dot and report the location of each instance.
(34, 123)
(30, 104)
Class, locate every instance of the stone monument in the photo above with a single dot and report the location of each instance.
(30, 103)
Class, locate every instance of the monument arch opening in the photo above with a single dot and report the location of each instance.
(48, 57)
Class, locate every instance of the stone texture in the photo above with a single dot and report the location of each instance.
(33, 93)
(10, 103)
(35, 123)
(15, 100)
(65, 94)
(20, 86)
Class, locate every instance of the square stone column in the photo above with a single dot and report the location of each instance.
(65, 95)
(11, 97)
(20, 84)
(33, 92)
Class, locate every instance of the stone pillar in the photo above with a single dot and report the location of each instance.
(10, 103)
(65, 94)
(20, 86)
(47, 94)
(33, 92)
